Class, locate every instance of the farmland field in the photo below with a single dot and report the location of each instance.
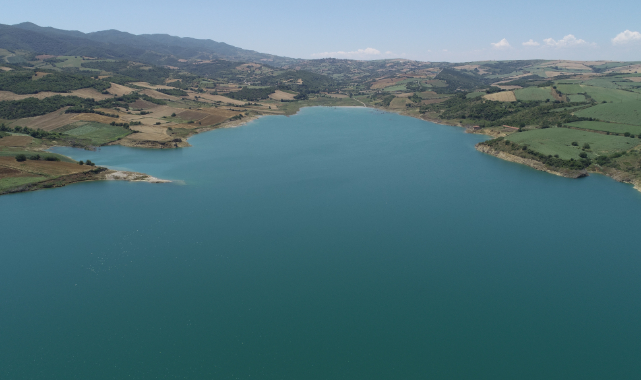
(626, 112)
(534, 93)
(601, 94)
(607, 127)
(503, 96)
(576, 98)
(11, 182)
(96, 133)
(570, 88)
(553, 141)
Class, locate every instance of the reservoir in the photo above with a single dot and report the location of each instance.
(333, 244)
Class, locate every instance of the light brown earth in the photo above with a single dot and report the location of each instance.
(47, 122)
(635, 79)
(88, 93)
(504, 96)
(572, 65)
(509, 87)
(248, 66)
(5, 68)
(95, 117)
(120, 90)
(282, 95)
(218, 98)
(16, 141)
(41, 167)
(382, 83)
(159, 95)
(626, 69)
(152, 86)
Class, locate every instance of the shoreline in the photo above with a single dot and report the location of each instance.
(100, 173)
(118, 175)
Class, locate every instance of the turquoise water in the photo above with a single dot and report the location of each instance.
(333, 244)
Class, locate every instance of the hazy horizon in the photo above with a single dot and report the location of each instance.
(459, 31)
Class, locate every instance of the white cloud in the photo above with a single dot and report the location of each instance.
(626, 37)
(531, 42)
(503, 44)
(369, 53)
(567, 41)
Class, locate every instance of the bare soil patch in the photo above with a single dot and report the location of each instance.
(120, 90)
(88, 93)
(5, 68)
(16, 141)
(505, 96)
(192, 115)
(52, 168)
(47, 122)
(143, 104)
(152, 86)
(219, 98)
(281, 95)
(6, 172)
(94, 117)
(159, 95)
(635, 79)
(382, 83)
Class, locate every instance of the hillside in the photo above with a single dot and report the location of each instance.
(149, 48)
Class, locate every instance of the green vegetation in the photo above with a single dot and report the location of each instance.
(173, 91)
(624, 112)
(607, 127)
(252, 94)
(534, 94)
(558, 141)
(21, 82)
(13, 182)
(92, 133)
(17, 109)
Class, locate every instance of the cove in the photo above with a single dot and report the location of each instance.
(332, 244)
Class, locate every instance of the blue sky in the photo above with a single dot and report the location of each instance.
(454, 30)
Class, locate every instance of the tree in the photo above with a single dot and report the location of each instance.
(583, 155)
(90, 163)
(586, 146)
(21, 157)
(81, 163)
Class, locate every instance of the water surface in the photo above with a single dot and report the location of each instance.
(333, 244)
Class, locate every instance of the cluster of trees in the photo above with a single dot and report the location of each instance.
(173, 91)
(416, 86)
(458, 81)
(23, 157)
(35, 133)
(488, 113)
(20, 82)
(16, 109)
(127, 72)
(80, 109)
(252, 94)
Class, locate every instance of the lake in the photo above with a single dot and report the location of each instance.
(338, 243)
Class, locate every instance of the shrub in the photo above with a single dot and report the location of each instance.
(627, 134)
(35, 157)
(52, 158)
(81, 163)
(574, 143)
(586, 146)
(583, 155)
(173, 114)
(21, 157)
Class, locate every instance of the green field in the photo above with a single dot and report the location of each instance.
(534, 93)
(8, 183)
(576, 98)
(9, 151)
(570, 88)
(626, 112)
(553, 141)
(475, 94)
(94, 133)
(601, 94)
(608, 127)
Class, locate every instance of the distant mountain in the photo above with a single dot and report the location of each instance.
(148, 48)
